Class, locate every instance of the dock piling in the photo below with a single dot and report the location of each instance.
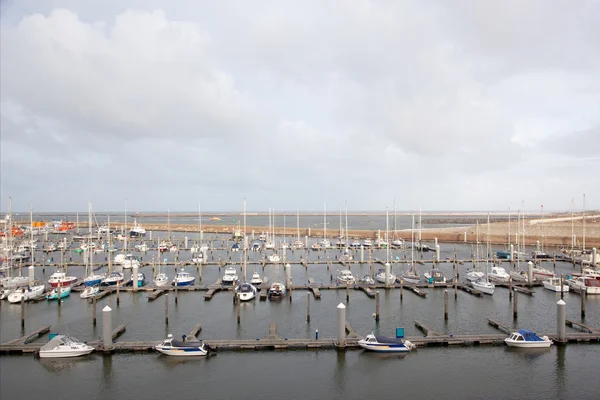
(107, 328)
(238, 310)
(308, 307)
(94, 311)
(561, 316)
(510, 288)
(166, 309)
(446, 305)
(134, 277)
(341, 325)
(377, 306)
(515, 304)
(118, 287)
(23, 313)
(583, 296)
(401, 289)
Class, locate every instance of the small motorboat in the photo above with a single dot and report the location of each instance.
(25, 293)
(474, 275)
(183, 347)
(345, 277)
(61, 346)
(90, 291)
(315, 246)
(62, 278)
(276, 291)
(113, 279)
(435, 276)
(141, 280)
(54, 293)
(93, 280)
(161, 279)
(297, 245)
(368, 243)
(325, 244)
(586, 284)
(385, 344)
(527, 339)
(230, 276)
(397, 243)
(499, 274)
(183, 279)
(235, 247)
(380, 277)
(556, 285)
(345, 256)
(245, 292)
(503, 254)
(198, 257)
(256, 279)
(367, 279)
(255, 246)
(274, 258)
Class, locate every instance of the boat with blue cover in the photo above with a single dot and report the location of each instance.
(385, 344)
(184, 347)
(183, 279)
(527, 339)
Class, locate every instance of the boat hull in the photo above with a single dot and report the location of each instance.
(528, 345)
(181, 351)
(384, 347)
(65, 354)
(66, 282)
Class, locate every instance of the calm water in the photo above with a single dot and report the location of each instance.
(426, 373)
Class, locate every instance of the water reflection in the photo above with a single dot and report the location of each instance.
(369, 355)
(561, 374)
(528, 354)
(65, 364)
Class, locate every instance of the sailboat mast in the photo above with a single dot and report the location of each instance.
(298, 221)
(509, 226)
(32, 251)
(109, 242)
(583, 240)
(346, 233)
(245, 240)
(387, 235)
(325, 222)
(199, 223)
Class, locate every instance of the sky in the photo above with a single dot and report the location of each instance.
(461, 105)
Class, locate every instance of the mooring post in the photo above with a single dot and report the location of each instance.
(94, 310)
(59, 292)
(401, 289)
(377, 305)
(510, 288)
(23, 313)
(31, 272)
(134, 278)
(362, 254)
(445, 304)
(341, 325)
(308, 307)
(347, 293)
(561, 317)
(166, 309)
(107, 328)
(238, 310)
(118, 289)
(530, 273)
(516, 305)
(583, 296)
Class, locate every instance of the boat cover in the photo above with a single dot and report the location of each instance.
(188, 343)
(385, 339)
(530, 336)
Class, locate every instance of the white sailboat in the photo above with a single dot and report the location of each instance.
(325, 244)
(298, 244)
(483, 284)
(411, 275)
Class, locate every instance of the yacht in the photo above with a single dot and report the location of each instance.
(276, 291)
(183, 278)
(587, 284)
(345, 277)
(297, 245)
(161, 279)
(61, 346)
(60, 277)
(345, 257)
(367, 243)
(115, 278)
(274, 258)
(367, 279)
(555, 285)
(397, 243)
(25, 293)
(230, 276)
(411, 276)
(256, 279)
(499, 274)
(245, 292)
(315, 246)
(484, 286)
(435, 276)
(90, 291)
(137, 230)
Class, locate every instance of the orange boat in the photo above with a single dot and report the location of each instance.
(66, 226)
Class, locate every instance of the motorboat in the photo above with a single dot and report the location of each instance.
(90, 291)
(141, 280)
(503, 255)
(345, 257)
(184, 347)
(555, 284)
(297, 245)
(519, 276)
(230, 276)
(25, 293)
(355, 244)
(397, 243)
(274, 258)
(245, 292)
(276, 291)
(183, 279)
(315, 246)
(256, 246)
(367, 279)
(498, 274)
(60, 277)
(61, 346)
(527, 339)
(50, 248)
(587, 284)
(368, 243)
(420, 246)
(540, 255)
(58, 293)
(137, 230)
(256, 279)
(269, 245)
(15, 282)
(198, 257)
(235, 247)
(325, 244)
(484, 286)
(113, 279)
(345, 277)
(141, 247)
(385, 344)
(161, 279)
(435, 276)
(380, 243)
(380, 277)
(129, 262)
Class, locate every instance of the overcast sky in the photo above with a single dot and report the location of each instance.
(455, 105)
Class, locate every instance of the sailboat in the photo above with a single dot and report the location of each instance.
(411, 276)
(92, 279)
(325, 244)
(298, 244)
(483, 284)
(381, 273)
(474, 274)
(396, 242)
